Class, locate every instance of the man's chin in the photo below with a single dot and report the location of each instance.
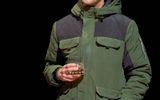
(88, 3)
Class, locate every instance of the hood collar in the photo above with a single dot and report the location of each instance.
(110, 7)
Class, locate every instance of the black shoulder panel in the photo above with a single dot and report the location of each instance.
(114, 26)
(68, 27)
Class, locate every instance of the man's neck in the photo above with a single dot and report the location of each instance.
(100, 4)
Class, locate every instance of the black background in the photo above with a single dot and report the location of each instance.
(27, 30)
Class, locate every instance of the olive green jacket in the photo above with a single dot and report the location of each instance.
(109, 46)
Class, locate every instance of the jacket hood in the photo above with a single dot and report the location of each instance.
(110, 7)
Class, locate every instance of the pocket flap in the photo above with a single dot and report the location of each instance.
(109, 42)
(108, 93)
(69, 43)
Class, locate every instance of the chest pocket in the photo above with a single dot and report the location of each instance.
(69, 46)
(108, 42)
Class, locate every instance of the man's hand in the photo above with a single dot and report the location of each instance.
(69, 72)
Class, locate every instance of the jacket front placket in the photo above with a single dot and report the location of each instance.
(86, 88)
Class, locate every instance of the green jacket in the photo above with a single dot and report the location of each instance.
(110, 47)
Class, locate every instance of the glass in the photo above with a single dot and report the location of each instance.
(79, 63)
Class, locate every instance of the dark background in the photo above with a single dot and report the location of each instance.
(27, 30)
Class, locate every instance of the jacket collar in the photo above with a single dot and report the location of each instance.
(109, 8)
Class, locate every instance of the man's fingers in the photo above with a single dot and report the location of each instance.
(70, 72)
(70, 78)
(71, 67)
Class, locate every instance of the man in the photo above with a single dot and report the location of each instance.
(109, 49)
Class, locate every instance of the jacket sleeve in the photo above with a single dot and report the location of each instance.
(51, 59)
(136, 65)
